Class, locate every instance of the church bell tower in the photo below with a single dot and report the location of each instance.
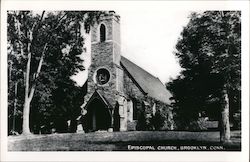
(104, 71)
(105, 76)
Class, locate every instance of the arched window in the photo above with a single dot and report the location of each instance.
(102, 33)
(135, 109)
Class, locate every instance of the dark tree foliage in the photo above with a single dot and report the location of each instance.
(157, 120)
(209, 51)
(43, 53)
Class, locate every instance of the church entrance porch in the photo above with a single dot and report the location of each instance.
(98, 117)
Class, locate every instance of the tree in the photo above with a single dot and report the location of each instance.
(45, 48)
(209, 51)
(195, 95)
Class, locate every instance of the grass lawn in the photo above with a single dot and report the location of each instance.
(125, 141)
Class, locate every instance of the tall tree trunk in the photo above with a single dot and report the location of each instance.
(29, 92)
(26, 107)
(225, 124)
(26, 113)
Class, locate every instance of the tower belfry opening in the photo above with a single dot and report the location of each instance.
(102, 33)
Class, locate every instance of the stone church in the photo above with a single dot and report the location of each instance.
(119, 91)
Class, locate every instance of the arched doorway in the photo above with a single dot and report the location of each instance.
(98, 116)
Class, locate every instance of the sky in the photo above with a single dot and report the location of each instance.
(148, 38)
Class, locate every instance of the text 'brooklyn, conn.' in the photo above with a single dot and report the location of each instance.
(173, 148)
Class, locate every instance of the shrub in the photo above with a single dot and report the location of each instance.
(158, 120)
(198, 125)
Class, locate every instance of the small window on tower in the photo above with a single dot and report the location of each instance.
(102, 33)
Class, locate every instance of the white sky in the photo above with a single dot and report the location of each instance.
(148, 38)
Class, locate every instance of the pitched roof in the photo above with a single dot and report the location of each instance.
(99, 95)
(146, 81)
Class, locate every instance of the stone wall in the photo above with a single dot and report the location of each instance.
(116, 41)
(130, 88)
(119, 79)
(146, 103)
(102, 57)
(135, 94)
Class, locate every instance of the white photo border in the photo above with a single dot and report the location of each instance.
(240, 156)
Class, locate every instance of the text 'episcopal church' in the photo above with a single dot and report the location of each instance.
(121, 96)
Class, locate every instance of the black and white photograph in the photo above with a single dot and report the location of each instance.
(124, 80)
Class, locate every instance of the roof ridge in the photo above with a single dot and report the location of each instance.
(159, 80)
